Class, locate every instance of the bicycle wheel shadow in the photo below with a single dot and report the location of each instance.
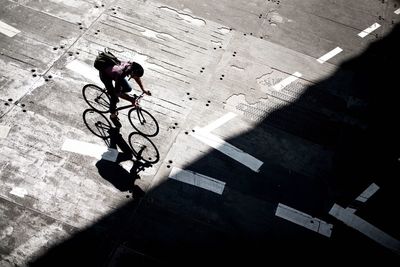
(112, 170)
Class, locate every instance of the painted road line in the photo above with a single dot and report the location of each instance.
(369, 30)
(8, 30)
(229, 150)
(330, 55)
(198, 180)
(282, 84)
(92, 150)
(364, 196)
(397, 12)
(368, 193)
(4, 130)
(219, 122)
(19, 192)
(304, 220)
(365, 228)
(85, 70)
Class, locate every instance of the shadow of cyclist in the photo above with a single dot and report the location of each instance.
(111, 170)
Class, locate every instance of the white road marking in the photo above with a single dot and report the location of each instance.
(365, 196)
(197, 179)
(366, 228)
(19, 192)
(330, 55)
(368, 30)
(304, 220)
(8, 30)
(397, 11)
(219, 122)
(92, 150)
(282, 84)
(229, 150)
(85, 70)
(367, 193)
(4, 130)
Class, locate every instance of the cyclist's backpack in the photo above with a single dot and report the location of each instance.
(105, 59)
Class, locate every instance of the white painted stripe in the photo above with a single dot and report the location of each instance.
(397, 12)
(366, 228)
(330, 55)
(85, 70)
(4, 130)
(18, 191)
(367, 193)
(92, 150)
(369, 30)
(304, 220)
(282, 84)
(198, 180)
(229, 150)
(219, 122)
(8, 30)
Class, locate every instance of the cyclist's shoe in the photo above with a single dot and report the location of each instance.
(116, 121)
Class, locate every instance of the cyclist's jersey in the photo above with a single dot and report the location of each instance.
(117, 72)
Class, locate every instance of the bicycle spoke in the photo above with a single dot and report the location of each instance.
(143, 122)
(97, 123)
(96, 97)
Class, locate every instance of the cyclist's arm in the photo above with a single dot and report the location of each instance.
(139, 82)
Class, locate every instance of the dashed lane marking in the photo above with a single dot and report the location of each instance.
(282, 84)
(357, 223)
(4, 130)
(197, 179)
(368, 30)
(397, 11)
(8, 30)
(88, 149)
(304, 220)
(219, 122)
(85, 70)
(226, 148)
(18, 191)
(330, 55)
(364, 196)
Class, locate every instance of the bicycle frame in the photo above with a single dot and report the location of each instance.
(137, 106)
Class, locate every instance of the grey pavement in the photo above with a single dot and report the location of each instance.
(278, 136)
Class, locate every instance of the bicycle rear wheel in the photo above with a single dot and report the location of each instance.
(96, 97)
(143, 122)
(97, 123)
(143, 148)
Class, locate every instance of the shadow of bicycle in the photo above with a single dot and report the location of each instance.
(140, 151)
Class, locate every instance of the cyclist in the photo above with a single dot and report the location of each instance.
(118, 74)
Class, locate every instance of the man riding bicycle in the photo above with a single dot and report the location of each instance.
(118, 73)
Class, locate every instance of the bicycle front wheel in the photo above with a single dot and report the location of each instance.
(96, 98)
(143, 122)
(143, 148)
(97, 123)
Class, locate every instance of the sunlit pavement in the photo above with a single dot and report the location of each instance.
(277, 133)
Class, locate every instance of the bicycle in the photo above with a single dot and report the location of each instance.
(142, 147)
(141, 120)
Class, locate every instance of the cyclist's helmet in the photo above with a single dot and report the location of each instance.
(136, 70)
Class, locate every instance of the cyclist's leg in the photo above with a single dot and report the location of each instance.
(110, 90)
(125, 88)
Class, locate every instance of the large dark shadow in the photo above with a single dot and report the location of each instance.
(351, 116)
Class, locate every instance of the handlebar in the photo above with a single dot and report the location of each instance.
(138, 98)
